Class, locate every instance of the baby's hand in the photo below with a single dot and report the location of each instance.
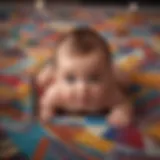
(121, 116)
(48, 103)
(45, 77)
(45, 115)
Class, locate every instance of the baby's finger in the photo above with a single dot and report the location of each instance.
(117, 121)
(45, 116)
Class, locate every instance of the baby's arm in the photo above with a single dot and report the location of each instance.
(45, 76)
(121, 109)
(49, 102)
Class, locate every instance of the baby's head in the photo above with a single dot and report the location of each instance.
(83, 68)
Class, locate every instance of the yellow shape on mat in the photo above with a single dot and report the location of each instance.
(129, 63)
(23, 90)
(90, 140)
(147, 79)
(154, 131)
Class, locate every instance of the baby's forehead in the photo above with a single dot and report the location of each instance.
(68, 49)
(64, 48)
(92, 61)
(69, 55)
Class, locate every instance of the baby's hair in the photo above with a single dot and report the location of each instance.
(85, 40)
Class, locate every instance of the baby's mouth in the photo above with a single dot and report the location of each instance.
(83, 101)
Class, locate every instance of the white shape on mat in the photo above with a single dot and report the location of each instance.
(137, 54)
(97, 130)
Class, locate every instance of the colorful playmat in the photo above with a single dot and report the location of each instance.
(26, 45)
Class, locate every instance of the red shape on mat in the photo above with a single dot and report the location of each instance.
(131, 137)
(41, 150)
(67, 134)
(149, 53)
(10, 80)
(154, 103)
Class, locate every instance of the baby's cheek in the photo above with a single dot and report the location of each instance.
(97, 89)
(67, 96)
(97, 92)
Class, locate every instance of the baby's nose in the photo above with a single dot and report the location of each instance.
(82, 89)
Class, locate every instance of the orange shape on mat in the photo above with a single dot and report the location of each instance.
(65, 133)
(130, 63)
(41, 149)
(6, 62)
(121, 27)
(135, 18)
(154, 131)
(95, 142)
(23, 90)
(13, 113)
(147, 79)
(7, 93)
(136, 42)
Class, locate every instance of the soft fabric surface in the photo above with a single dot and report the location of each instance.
(28, 42)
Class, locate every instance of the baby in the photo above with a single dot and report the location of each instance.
(81, 79)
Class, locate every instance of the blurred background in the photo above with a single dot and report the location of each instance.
(89, 2)
(94, 2)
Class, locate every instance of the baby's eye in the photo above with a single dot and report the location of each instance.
(94, 78)
(70, 79)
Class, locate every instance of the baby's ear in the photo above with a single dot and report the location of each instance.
(123, 78)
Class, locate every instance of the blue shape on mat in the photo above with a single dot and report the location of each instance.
(110, 134)
(65, 120)
(138, 32)
(135, 88)
(18, 67)
(150, 95)
(27, 141)
(125, 50)
(95, 120)
(28, 27)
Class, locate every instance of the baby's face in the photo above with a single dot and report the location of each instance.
(83, 80)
